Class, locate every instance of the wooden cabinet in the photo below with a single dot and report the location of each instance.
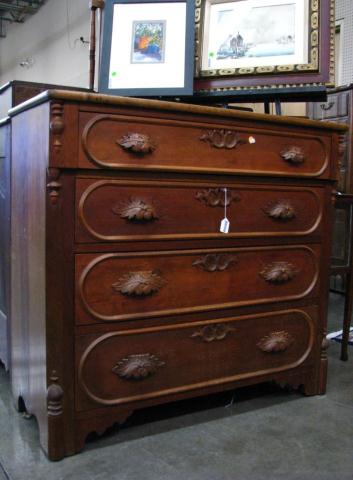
(339, 108)
(125, 293)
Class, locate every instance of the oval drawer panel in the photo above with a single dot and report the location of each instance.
(114, 287)
(135, 365)
(118, 141)
(116, 210)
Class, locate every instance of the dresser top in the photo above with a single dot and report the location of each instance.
(158, 105)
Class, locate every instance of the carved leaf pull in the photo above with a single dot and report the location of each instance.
(140, 283)
(294, 155)
(222, 138)
(276, 342)
(210, 333)
(137, 367)
(281, 210)
(136, 210)
(215, 262)
(278, 272)
(137, 143)
(214, 197)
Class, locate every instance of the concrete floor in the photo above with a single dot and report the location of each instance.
(257, 433)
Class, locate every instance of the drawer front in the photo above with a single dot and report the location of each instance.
(113, 211)
(117, 141)
(135, 365)
(114, 287)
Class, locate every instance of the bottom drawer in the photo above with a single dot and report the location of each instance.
(135, 365)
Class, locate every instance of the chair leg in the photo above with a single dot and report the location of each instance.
(347, 316)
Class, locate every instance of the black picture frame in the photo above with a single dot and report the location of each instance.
(108, 85)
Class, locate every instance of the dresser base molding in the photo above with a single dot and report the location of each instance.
(101, 422)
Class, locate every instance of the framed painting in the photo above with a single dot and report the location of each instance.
(244, 44)
(147, 48)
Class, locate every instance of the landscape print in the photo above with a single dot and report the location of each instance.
(240, 31)
(148, 41)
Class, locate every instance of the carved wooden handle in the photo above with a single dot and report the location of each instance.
(137, 367)
(210, 333)
(276, 342)
(137, 143)
(136, 210)
(278, 272)
(294, 155)
(222, 138)
(215, 262)
(139, 284)
(281, 210)
(214, 197)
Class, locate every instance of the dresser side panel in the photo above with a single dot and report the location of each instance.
(28, 305)
(5, 132)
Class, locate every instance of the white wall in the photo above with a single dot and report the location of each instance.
(51, 39)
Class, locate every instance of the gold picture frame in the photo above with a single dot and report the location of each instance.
(309, 41)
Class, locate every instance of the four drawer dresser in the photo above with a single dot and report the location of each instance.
(125, 293)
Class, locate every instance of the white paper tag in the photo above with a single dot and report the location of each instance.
(225, 224)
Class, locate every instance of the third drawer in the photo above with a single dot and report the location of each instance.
(123, 286)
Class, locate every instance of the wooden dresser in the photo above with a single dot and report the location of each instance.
(124, 292)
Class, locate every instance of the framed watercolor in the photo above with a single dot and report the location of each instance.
(260, 44)
(147, 48)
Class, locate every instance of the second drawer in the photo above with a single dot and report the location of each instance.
(122, 210)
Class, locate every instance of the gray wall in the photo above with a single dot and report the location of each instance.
(50, 40)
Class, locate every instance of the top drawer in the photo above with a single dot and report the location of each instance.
(121, 141)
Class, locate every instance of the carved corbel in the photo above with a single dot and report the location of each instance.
(54, 396)
(53, 185)
(57, 125)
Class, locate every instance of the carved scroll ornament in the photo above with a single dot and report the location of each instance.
(294, 155)
(227, 139)
(278, 272)
(137, 143)
(140, 283)
(215, 262)
(137, 367)
(210, 333)
(136, 210)
(276, 342)
(214, 197)
(281, 210)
